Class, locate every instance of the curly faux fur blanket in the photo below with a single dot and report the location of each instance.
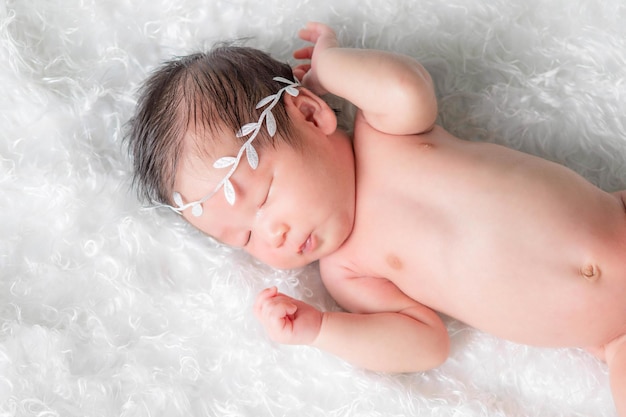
(109, 309)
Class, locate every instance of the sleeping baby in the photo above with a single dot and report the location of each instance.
(405, 219)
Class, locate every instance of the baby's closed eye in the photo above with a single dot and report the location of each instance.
(267, 193)
(260, 206)
(248, 236)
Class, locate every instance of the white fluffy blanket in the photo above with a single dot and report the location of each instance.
(108, 309)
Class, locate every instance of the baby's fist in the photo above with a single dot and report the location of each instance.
(285, 319)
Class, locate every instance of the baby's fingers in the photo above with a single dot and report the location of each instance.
(262, 298)
(308, 35)
(300, 71)
(270, 304)
(287, 320)
(278, 308)
(304, 53)
(277, 316)
(319, 34)
(313, 30)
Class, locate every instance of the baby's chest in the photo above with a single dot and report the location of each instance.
(441, 250)
(394, 238)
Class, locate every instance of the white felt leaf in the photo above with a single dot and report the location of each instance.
(224, 162)
(271, 123)
(265, 101)
(282, 80)
(229, 192)
(178, 199)
(246, 129)
(292, 91)
(253, 157)
(196, 210)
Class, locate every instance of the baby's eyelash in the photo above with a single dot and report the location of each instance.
(267, 194)
(259, 206)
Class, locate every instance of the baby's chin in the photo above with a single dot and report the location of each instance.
(298, 261)
(291, 264)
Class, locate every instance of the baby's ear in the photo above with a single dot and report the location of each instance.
(311, 108)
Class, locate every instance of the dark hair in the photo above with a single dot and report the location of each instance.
(215, 91)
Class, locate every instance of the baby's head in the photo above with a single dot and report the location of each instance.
(233, 120)
(195, 96)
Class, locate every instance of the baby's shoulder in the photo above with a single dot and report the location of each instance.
(368, 139)
(365, 135)
(375, 150)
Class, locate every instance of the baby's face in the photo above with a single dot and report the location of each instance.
(295, 208)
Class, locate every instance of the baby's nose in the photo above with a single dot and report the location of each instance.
(277, 234)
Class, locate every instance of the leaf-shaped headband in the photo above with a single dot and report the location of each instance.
(252, 156)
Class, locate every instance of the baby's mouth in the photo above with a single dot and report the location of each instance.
(308, 245)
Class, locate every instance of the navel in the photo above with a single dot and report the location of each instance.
(394, 262)
(590, 272)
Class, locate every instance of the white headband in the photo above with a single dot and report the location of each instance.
(251, 154)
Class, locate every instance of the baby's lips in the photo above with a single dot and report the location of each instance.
(308, 245)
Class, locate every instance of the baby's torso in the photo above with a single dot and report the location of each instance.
(504, 241)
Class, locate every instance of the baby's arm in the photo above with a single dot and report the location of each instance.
(394, 92)
(385, 330)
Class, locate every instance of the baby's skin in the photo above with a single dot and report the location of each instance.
(407, 220)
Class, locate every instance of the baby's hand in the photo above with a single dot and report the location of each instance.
(323, 38)
(287, 320)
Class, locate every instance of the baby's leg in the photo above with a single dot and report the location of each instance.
(622, 196)
(615, 353)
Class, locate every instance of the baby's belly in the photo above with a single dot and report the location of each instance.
(544, 299)
(537, 279)
(539, 305)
